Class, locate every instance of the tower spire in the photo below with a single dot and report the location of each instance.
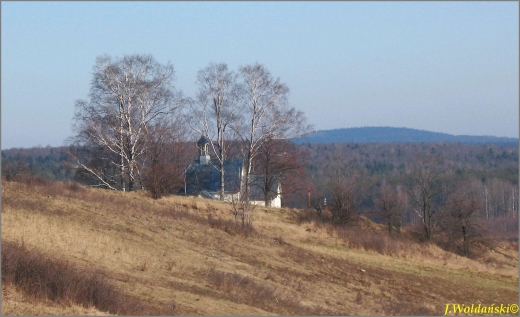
(203, 149)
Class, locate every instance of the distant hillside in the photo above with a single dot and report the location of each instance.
(398, 135)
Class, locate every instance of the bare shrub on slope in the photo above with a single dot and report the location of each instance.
(244, 289)
(42, 277)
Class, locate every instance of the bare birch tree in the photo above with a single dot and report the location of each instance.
(215, 110)
(127, 96)
(267, 116)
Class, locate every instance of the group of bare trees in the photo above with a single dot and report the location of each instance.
(249, 108)
(338, 198)
(447, 208)
(132, 100)
(216, 110)
(133, 130)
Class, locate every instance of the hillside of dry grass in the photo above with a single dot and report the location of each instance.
(185, 256)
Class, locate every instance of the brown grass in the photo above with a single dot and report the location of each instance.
(187, 254)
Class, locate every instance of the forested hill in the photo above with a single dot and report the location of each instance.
(398, 135)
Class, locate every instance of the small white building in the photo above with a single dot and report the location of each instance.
(202, 179)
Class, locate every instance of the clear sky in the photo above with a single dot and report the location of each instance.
(449, 67)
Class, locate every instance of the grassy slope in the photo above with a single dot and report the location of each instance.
(185, 253)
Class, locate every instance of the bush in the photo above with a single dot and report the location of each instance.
(378, 242)
(42, 277)
(246, 290)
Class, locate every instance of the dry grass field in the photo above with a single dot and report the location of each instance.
(68, 250)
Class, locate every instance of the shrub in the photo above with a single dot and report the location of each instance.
(378, 242)
(57, 280)
(247, 290)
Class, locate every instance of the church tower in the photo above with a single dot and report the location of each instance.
(203, 149)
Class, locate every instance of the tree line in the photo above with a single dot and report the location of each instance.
(446, 192)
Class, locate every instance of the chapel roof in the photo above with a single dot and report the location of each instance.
(203, 140)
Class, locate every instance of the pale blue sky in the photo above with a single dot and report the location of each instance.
(449, 67)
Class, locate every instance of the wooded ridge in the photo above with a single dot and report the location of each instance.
(398, 135)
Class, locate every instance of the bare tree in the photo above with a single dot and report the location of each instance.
(167, 157)
(317, 193)
(267, 116)
(94, 166)
(277, 160)
(337, 191)
(14, 167)
(344, 199)
(215, 110)
(459, 218)
(128, 95)
(427, 191)
(390, 205)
